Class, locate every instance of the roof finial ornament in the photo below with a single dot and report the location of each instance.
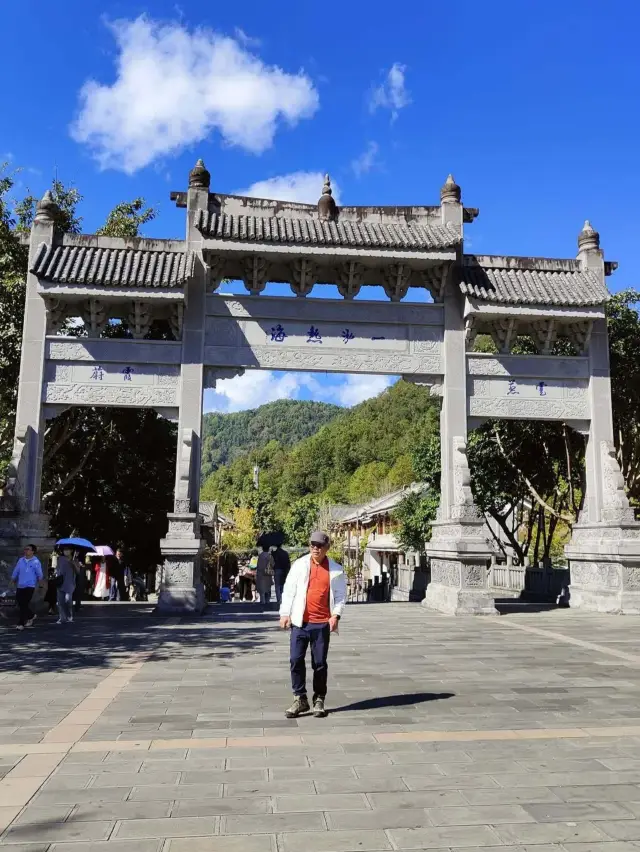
(588, 238)
(450, 191)
(327, 208)
(199, 176)
(46, 209)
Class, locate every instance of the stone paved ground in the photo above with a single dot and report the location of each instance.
(131, 732)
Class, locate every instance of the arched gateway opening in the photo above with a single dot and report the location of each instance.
(217, 336)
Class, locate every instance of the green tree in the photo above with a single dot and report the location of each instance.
(301, 519)
(624, 344)
(369, 480)
(415, 514)
(127, 218)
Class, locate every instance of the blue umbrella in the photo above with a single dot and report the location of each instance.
(76, 542)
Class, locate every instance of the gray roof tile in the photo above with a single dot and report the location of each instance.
(112, 267)
(531, 286)
(346, 233)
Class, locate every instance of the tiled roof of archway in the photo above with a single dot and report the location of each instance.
(346, 233)
(112, 266)
(527, 285)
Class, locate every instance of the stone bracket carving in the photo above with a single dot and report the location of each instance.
(256, 272)
(544, 333)
(396, 280)
(214, 267)
(57, 311)
(139, 319)
(349, 279)
(176, 319)
(503, 333)
(94, 315)
(304, 275)
(579, 333)
(435, 280)
(470, 332)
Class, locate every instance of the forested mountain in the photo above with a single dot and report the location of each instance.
(363, 452)
(287, 421)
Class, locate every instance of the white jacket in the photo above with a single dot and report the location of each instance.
(294, 594)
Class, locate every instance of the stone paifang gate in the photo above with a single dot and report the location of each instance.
(218, 336)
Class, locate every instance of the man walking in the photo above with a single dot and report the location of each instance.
(26, 576)
(312, 602)
(281, 568)
(66, 573)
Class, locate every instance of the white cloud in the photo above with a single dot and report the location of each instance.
(357, 388)
(174, 87)
(392, 93)
(367, 160)
(257, 387)
(305, 187)
(254, 388)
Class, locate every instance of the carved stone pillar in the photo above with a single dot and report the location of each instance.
(604, 551)
(459, 550)
(181, 587)
(21, 520)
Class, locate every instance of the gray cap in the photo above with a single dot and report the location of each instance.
(319, 537)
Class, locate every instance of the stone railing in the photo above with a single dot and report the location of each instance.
(536, 580)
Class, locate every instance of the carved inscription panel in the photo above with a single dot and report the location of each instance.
(528, 388)
(112, 384)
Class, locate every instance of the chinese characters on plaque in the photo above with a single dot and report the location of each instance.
(278, 334)
(512, 388)
(97, 374)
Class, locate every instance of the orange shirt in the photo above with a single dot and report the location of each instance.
(317, 609)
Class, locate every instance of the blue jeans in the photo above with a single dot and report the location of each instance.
(316, 635)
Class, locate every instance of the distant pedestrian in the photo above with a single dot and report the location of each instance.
(312, 603)
(118, 570)
(281, 568)
(26, 576)
(51, 595)
(81, 583)
(66, 582)
(264, 575)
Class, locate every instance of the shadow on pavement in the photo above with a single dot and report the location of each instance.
(405, 700)
(104, 635)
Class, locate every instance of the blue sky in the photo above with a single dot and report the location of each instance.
(532, 105)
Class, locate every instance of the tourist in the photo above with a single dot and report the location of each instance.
(118, 570)
(26, 576)
(281, 568)
(312, 602)
(264, 575)
(253, 567)
(66, 583)
(101, 582)
(51, 595)
(81, 583)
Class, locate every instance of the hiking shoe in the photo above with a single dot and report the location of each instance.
(300, 705)
(30, 621)
(20, 627)
(319, 709)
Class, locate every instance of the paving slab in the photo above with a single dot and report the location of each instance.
(444, 734)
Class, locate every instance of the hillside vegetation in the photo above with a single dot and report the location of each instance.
(361, 453)
(287, 421)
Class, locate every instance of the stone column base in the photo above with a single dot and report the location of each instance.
(181, 591)
(604, 562)
(177, 600)
(460, 557)
(459, 601)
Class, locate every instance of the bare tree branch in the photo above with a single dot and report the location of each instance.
(532, 490)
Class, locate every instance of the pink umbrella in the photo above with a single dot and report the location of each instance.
(103, 550)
